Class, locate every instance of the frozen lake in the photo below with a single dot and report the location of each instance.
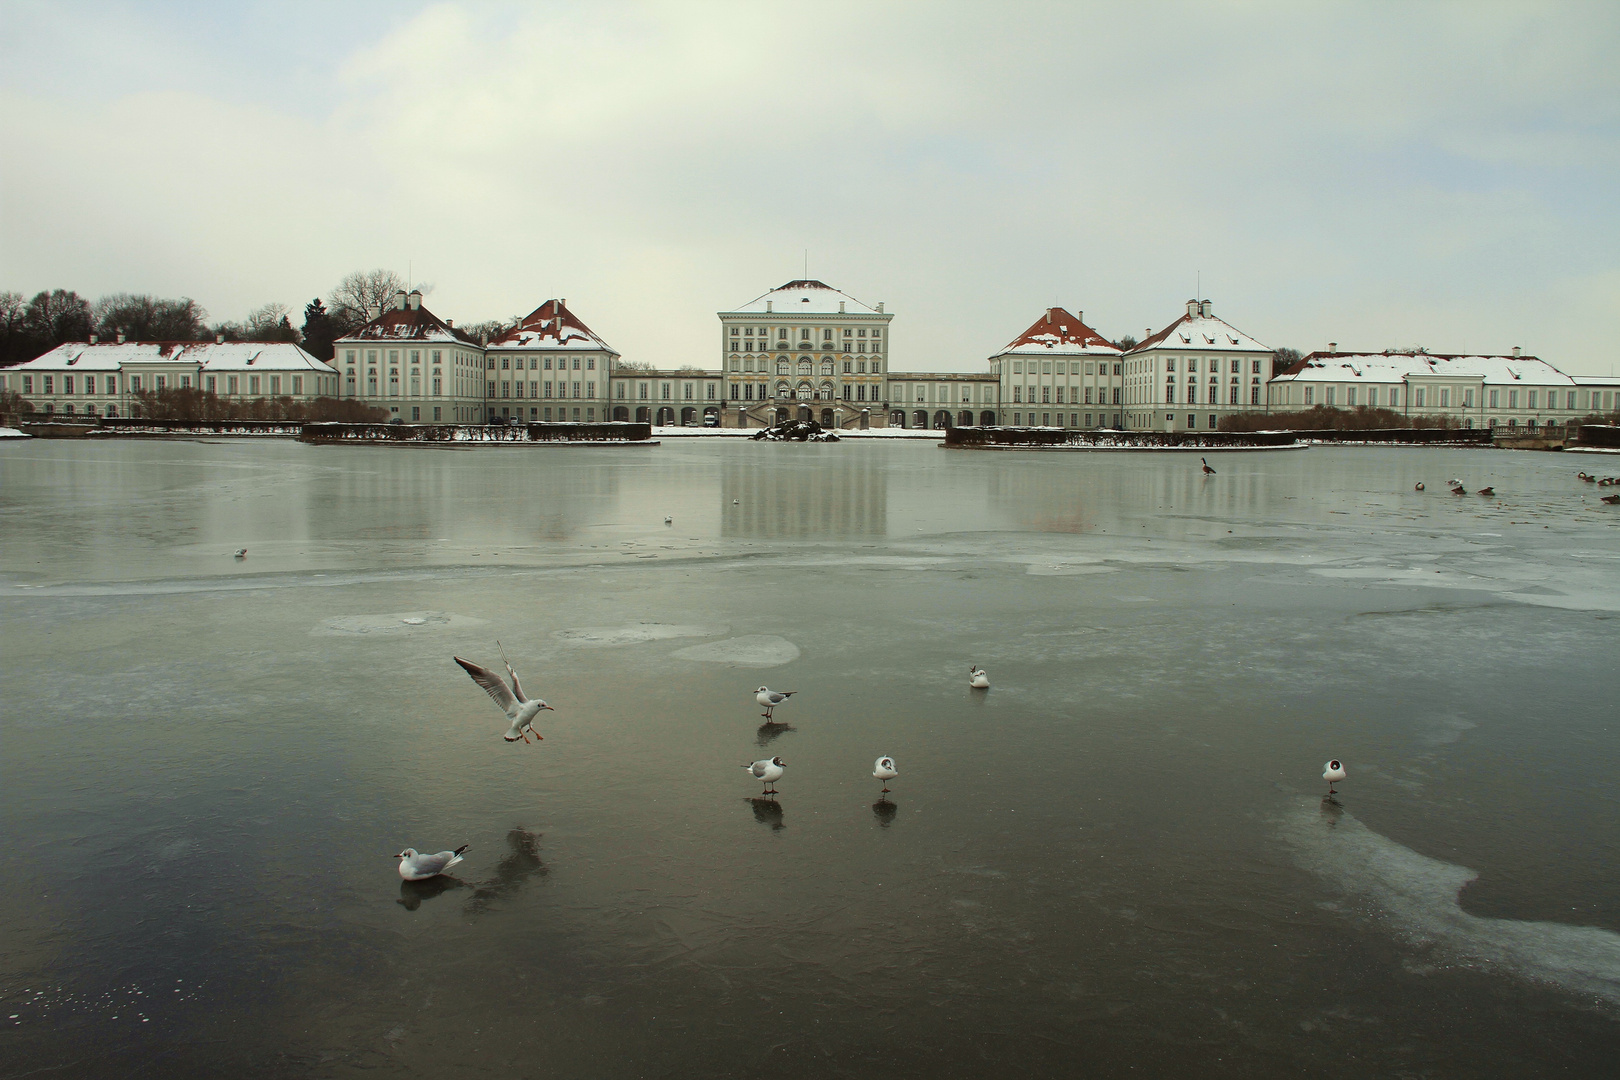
(1117, 860)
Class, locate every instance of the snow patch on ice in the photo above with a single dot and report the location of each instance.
(634, 634)
(398, 622)
(1067, 569)
(1419, 896)
(754, 650)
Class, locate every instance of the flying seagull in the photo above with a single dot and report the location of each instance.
(414, 866)
(519, 709)
(769, 699)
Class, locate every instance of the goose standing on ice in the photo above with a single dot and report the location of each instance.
(1333, 773)
(417, 867)
(769, 699)
(1207, 470)
(977, 678)
(518, 709)
(883, 769)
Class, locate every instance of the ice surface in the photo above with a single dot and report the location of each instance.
(754, 650)
(1419, 896)
(398, 622)
(633, 634)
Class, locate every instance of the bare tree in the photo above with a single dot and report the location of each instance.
(57, 316)
(1128, 342)
(362, 296)
(150, 318)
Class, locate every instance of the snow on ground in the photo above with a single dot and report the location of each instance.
(12, 433)
(749, 433)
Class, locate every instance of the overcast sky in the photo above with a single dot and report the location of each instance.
(1379, 175)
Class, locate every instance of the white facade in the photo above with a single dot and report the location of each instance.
(1193, 372)
(1059, 373)
(103, 378)
(1510, 391)
(415, 365)
(804, 346)
(550, 367)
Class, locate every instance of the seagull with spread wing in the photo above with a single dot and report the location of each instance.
(518, 709)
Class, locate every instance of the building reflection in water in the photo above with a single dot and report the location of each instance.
(824, 493)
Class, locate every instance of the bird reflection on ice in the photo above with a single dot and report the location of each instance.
(517, 866)
(1420, 896)
(767, 812)
(884, 811)
(412, 893)
(770, 731)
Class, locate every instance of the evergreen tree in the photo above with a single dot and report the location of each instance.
(318, 330)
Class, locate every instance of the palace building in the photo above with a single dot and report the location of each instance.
(1510, 391)
(805, 350)
(100, 378)
(417, 366)
(1193, 372)
(1059, 373)
(550, 366)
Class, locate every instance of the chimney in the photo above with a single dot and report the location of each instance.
(1204, 309)
(120, 335)
(1079, 316)
(561, 303)
(399, 300)
(1333, 346)
(1048, 316)
(1147, 333)
(840, 307)
(880, 307)
(451, 323)
(767, 307)
(415, 299)
(1192, 309)
(219, 339)
(93, 338)
(1515, 352)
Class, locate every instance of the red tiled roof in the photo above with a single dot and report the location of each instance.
(1057, 328)
(551, 325)
(408, 324)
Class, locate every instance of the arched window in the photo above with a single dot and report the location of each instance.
(782, 365)
(804, 365)
(827, 368)
(781, 389)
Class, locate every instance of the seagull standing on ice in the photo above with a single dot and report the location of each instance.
(769, 699)
(518, 709)
(768, 771)
(415, 867)
(883, 769)
(239, 553)
(1333, 773)
(977, 678)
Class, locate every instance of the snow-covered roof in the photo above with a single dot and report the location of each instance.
(1059, 333)
(408, 320)
(1394, 367)
(804, 298)
(551, 326)
(207, 355)
(1199, 330)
